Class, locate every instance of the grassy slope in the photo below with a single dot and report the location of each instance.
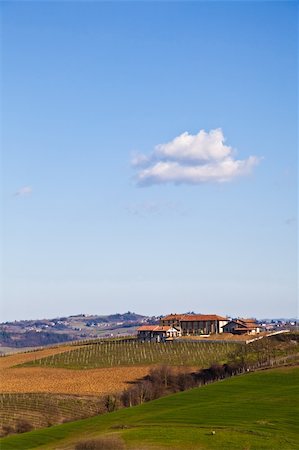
(255, 411)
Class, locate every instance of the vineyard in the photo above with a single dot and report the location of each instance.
(133, 353)
(43, 410)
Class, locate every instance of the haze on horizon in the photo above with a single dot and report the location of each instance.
(149, 158)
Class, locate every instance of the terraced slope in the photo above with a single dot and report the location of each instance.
(256, 411)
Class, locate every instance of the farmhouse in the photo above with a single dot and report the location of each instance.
(195, 324)
(157, 333)
(241, 326)
(176, 325)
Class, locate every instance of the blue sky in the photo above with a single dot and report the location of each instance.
(88, 88)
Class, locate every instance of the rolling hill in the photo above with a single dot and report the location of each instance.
(256, 411)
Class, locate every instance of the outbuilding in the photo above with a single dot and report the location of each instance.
(157, 333)
(241, 326)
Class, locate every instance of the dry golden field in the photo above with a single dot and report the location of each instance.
(30, 384)
(66, 381)
(63, 381)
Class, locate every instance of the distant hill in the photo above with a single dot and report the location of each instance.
(31, 339)
(35, 333)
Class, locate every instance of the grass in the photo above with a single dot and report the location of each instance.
(132, 353)
(256, 411)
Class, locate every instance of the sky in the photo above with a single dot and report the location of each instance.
(149, 158)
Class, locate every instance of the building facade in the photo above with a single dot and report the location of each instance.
(241, 326)
(202, 324)
(172, 320)
(195, 324)
(157, 333)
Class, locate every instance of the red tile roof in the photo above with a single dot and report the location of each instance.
(163, 328)
(154, 328)
(248, 324)
(146, 328)
(201, 317)
(173, 317)
(240, 323)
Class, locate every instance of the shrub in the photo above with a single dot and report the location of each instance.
(7, 429)
(163, 375)
(186, 381)
(104, 443)
(22, 426)
(112, 403)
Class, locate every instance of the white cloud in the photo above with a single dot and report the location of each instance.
(194, 159)
(24, 191)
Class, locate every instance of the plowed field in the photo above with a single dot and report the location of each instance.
(63, 381)
(66, 381)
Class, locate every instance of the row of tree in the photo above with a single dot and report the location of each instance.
(166, 380)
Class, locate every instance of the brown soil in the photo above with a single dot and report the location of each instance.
(62, 381)
(66, 381)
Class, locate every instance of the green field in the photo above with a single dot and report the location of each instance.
(132, 353)
(256, 411)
